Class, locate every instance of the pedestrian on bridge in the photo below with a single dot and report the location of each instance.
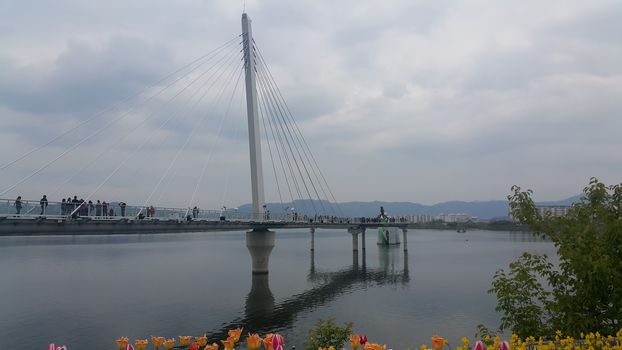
(122, 205)
(18, 205)
(44, 204)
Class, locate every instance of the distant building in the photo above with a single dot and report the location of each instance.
(553, 210)
(454, 217)
(420, 218)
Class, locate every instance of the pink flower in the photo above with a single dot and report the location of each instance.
(504, 346)
(363, 339)
(479, 345)
(54, 347)
(278, 342)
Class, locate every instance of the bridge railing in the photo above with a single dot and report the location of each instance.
(30, 209)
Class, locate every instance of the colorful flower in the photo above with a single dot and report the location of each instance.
(202, 340)
(479, 345)
(504, 345)
(374, 346)
(141, 344)
(438, 342)
(278, 342)
(194, 346)
(355, 340)
(214, 346)
(229, 344)
(253, 341)
(157, 341)
(54, 347)
(121, 343)
(185, 339)
(169, 343)
(235, 334)
(363, 339)
(267, 341)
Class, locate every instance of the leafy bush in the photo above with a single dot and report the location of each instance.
(327, 333)
(585, 291)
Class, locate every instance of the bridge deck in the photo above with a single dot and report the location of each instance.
(50, 226)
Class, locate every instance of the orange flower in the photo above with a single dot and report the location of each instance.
(157, 341)
(202, 340)
(229, 343)
(194, 346)
(438, 342)
(122, 343)
(235, 334)
(214, 346)
(355, 340)
(253, 341)
(267, 341)
(185, 339)
(141, 344)
(374, 346)
(169, 343)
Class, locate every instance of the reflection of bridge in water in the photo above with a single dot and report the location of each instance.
(262, 315)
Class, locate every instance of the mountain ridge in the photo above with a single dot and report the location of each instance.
(483, 210)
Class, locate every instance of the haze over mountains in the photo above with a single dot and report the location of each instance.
(483, 210)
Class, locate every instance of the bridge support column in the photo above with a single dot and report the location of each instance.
(363, 239)
(260, 243)
(312, 231)
(405, 240)
(354, 231)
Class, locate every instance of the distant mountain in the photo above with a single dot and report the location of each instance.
(484, 210)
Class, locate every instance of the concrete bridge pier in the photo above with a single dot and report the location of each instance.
(260, 243)
(312, 231)
(354, 231)
(363, 240)
(405, 240)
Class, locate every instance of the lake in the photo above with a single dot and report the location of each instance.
(86, 291)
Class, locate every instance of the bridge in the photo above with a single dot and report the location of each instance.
(295, 168)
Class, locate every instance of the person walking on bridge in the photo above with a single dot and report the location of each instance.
(44, 204)
(18, 205)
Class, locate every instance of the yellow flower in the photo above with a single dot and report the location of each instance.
(141, 344)
(253, 341)
(122, 343)
(169, 343)
(424, 347)
(355, 340)
(235, 334)
(374, 346)
(157, 341)
(214, 346)
(438, 342)
(465, 342)
(202, 340)
(185, 339)
(229, 343)
(331, 348)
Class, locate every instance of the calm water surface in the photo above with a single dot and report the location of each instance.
(86, 291)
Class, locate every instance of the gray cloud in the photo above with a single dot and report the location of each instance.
(408, 100)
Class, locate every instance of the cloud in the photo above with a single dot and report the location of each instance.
(409, 100)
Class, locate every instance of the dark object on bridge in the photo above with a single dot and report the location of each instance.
(222, 218)
(188, 218)
(141, 216)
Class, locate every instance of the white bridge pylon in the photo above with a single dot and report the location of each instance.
(254, 138)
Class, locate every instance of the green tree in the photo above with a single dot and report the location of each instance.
(584, 292)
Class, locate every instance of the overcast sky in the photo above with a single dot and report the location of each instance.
(422, 101)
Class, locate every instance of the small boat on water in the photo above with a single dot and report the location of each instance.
(461, 230)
